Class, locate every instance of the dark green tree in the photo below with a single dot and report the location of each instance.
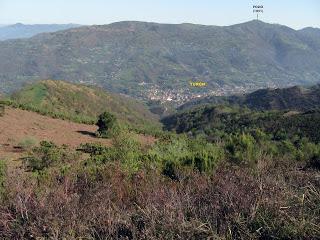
(107, 124)
(1, 110)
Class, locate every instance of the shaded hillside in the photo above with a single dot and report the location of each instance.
(214, 121)
(136, 58)
(82, 102)
(294, 98)
(26, 31)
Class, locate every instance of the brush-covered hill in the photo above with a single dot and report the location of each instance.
(138, 58)
(294, 98)
(216, 121)
(20, 30)
(81, 103)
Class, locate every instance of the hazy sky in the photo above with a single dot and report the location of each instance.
(294, 13)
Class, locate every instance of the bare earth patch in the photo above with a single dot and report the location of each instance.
(17, 125)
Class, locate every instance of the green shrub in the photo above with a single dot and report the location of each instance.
(286, 147)
(242, 149)
(108, 125)
(27, 143)
(3, 170)
(179, 152)
(314, 161)
(125, 149)
(99, 154)
(94, 149)
(47, 155)
(1, 110)
(170, 170)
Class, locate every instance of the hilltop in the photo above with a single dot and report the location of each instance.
(81, 103)
(158, 61)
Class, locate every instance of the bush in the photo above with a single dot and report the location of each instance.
(47, 155)
(170, 170)
(180, 153)
(314, 160)
(242, 149)
(3, 170)
(108, 125)
(1, 110)
(126, 150)
(27, 143)
(94, 149)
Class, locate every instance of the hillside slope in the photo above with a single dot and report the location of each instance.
(214, 121)
(82, 102)
(150, 60)
(295, 98)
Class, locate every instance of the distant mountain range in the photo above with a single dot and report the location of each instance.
(158, 61)
(294, 98)
(20, 30)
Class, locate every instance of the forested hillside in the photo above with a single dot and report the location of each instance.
(295, 98)
(150, 60)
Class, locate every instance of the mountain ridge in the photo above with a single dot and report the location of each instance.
(158, 61)
(20, 30)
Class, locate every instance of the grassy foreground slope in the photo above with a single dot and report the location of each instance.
(81, 103)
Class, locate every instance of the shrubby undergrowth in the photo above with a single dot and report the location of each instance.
(249, 184)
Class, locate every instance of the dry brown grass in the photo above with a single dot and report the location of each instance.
(235, 203)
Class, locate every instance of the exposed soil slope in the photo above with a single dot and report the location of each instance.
(17, 125)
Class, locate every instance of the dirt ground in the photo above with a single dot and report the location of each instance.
(18, 125)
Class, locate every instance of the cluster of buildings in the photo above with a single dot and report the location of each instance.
(182, 95)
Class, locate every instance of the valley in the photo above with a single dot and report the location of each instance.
(158, 61)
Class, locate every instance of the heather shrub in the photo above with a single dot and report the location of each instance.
(231, 204)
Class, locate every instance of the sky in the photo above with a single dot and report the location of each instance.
(296, 14)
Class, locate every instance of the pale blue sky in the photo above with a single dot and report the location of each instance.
(294, 13)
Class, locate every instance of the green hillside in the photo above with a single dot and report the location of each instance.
(81, 103)
(216, 121)
(294, 98)
(137, 58)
